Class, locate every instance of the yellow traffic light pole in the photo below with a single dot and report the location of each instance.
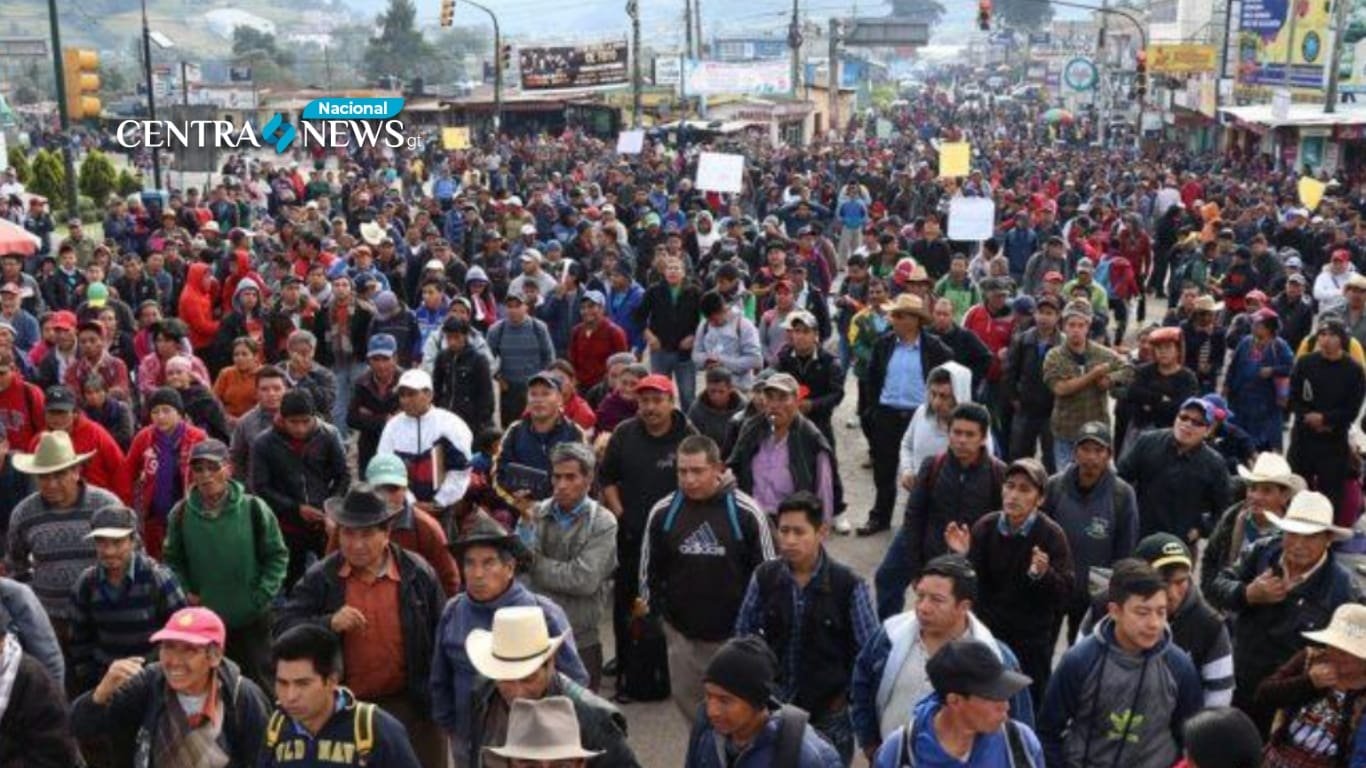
(63, 108)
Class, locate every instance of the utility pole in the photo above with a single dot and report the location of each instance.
(1289, 46)
(697, 18)
(687, 26)
(151, 97)
(497, 68)
(833, 81)
(327, 63)
(67, 160)
(1330, 104)
(1103, 75)
(794, 41)
(633, 10)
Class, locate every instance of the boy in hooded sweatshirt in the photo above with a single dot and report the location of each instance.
(197, 307)
(948, 386)
(1121, 694)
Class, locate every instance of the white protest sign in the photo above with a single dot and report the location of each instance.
(720, 172)
(630, 142)
(971, 218)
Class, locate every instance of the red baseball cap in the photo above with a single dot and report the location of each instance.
(656, 382)
(1052, 276)
(196, 626)
(63, 320)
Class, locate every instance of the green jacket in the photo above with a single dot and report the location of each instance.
(864, 331)
(963, 295)
(235, 562)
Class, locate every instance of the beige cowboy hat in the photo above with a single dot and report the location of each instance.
(1310, 513)
(543, 729)
(518, 644)
(54, 454)
(1272, 468)
(371, 233)
(907, 302)
(1205, 304)
(1346, 632)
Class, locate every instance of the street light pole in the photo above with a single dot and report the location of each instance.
(633, 10)
(497, 69)
(151, 97)
(794, 40)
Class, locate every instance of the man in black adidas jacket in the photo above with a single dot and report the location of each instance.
(702, 543)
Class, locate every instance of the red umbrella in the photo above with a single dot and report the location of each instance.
(16, 239)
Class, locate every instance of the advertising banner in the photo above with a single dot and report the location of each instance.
(1265, 41)
(1180, 58)
(549, 68)
(710, 78)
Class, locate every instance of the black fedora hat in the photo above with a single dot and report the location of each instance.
(361, 507)
(485, 531)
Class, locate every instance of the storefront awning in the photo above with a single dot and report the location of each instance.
(1299, 115)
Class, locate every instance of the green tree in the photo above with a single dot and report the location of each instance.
(1021, 14)
(18, 160)
(399, 45)
(49, 177)
(97, 176)
(250, 39)
(928, 11)
(127, 183)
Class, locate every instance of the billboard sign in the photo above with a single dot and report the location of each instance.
(1181, 58)
(710, 78)
(1265, 41)
(549, 68)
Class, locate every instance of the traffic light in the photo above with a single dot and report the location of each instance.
(447, 13)
(80, 73)
(984, 15)
(506, 56)
(1141, 75)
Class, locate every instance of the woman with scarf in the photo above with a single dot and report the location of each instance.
(168, 340)
(1258, 382)
(202, 408)
(159, 464)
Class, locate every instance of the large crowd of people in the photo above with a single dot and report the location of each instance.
(355, 460)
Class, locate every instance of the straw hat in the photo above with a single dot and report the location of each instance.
(1310, 513)
(907, 302)
(1346, 632)
(518, 644)
(54, 454)
(543, 730)
(1272, 468)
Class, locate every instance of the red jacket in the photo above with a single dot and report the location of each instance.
(241, 268)
(994, 332)
(105, 468)
(196, 307)
(589, 350)
(22, 413)
(140, 466)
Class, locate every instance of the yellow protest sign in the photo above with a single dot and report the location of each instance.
(455, 138)
(955, 158)
(1311, 192)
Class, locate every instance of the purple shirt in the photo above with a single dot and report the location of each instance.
(773, 477)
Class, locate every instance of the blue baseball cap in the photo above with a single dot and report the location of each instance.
(382, 345)
(594, 296)
(1204, 406)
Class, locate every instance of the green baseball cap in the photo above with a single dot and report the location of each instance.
(386, 469)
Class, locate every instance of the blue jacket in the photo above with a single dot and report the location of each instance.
(621, 307)
(22, 615)
(990, 750)
(1107, 708)
(880, 661)
(1018, 245)
(453, 675)
(288, 744)
(707, 748)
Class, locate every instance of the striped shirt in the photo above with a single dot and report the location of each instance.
(48, 548)
(114, 621)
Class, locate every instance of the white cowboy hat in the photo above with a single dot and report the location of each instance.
(543, 729)
(1309, 513)
(1346, 632)
(371, 233)
(54, 453)
(518, 645)
(1272, 468)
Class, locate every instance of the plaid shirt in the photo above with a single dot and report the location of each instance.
(1070, 412)
(750, 621)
